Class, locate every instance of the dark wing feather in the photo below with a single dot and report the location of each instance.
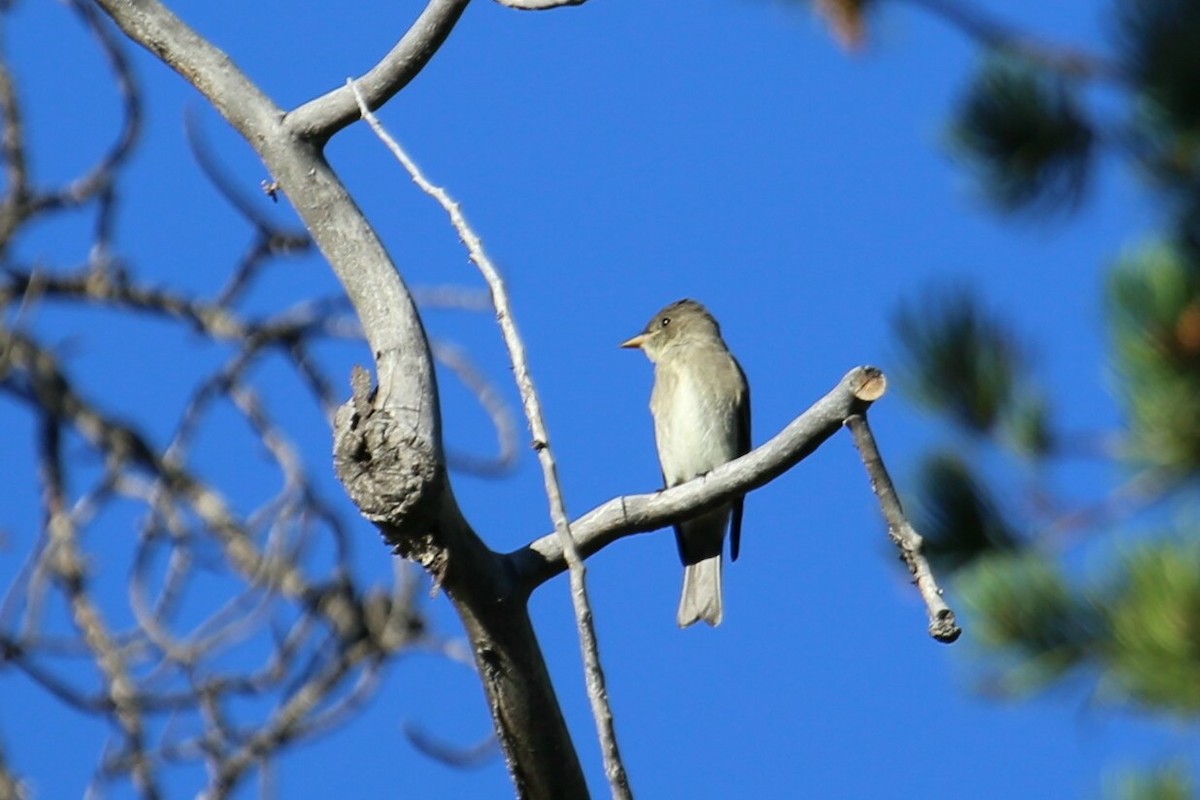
(743, 447)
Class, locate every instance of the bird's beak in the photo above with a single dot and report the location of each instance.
(636, 341)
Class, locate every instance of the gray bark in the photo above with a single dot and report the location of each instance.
(387, 437)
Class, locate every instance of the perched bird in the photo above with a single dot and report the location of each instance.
(701, 410)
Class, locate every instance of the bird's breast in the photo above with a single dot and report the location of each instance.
(695, 425)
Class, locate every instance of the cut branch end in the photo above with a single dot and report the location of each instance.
(942, 625)
(871, 386)
(944, 628)
(390, 472)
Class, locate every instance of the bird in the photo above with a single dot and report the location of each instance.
(701, 409)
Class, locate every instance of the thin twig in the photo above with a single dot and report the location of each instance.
(100, 177)
(458, 362)
(319, 119)
(160, 677)
(625, 515)
(942, 625)
(70, 573)
(461, 757)
(597, 693)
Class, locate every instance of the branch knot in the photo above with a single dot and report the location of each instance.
(391, 473)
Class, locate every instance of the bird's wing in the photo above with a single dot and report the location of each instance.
(743, 447)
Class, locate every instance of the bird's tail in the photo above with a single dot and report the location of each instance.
(701, 593)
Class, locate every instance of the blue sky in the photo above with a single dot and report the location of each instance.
(616, 157)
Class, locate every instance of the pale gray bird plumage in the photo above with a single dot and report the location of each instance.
(701, 409)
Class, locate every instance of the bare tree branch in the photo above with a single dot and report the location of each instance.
(327, 633)
(22, 200)
(846, 405)
(451, 755)
(286, 721)
(942, 625)
(597, 689)
(67, 565)
(542, 559)
(124, 444)
(99, 178)
(14, 203)
(493, 405)
(319, 119)
(388, 452)
(407, 400)
(388, 446)
(372, 626)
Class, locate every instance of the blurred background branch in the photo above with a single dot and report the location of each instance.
(244, 625)
(1029, 132)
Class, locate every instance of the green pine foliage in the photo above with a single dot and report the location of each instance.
(1154, 317)
(1021, 130)
(1158, 42)
(959, 360)
(1167, 782)
(1122, 626)
(1036, 623)
(1152, 653)
(957, 518)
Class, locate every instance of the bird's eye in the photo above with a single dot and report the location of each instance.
(665, 321)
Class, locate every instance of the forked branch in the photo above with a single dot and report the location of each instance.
(597, 688)
(544, 558)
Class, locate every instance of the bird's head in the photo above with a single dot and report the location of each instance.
(681, 323)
